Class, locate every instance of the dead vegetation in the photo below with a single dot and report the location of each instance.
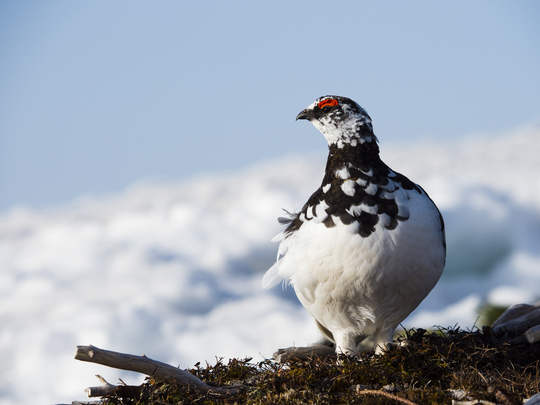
(438, 367)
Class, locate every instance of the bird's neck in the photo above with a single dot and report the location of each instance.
(360, 156)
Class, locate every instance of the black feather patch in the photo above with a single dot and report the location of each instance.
(372, 182)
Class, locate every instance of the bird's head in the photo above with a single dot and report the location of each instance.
(340, 120)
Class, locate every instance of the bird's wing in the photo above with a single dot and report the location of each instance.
(272, 276)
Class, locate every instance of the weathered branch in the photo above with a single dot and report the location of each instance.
(527, 317)
(142, 364)
(101, 391)
(515, 311)
(533, 335)
(86, 403)
(534, 400)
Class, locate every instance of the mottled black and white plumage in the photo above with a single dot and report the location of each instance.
(369, 244)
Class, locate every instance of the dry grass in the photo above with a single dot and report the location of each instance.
(427, 370)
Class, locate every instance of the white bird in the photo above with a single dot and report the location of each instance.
(369, 244)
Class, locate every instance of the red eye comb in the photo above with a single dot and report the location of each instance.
(329, 102)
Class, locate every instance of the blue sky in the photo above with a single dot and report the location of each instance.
(96, 95)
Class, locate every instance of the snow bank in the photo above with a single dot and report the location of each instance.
(173, 270)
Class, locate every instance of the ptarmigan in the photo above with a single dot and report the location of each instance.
(369, 244)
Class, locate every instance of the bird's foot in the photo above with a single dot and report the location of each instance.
(347, 355)
(304, 353)
(383, 348)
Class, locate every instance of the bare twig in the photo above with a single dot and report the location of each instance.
(153, 368)
(104, 389)
(359, 391)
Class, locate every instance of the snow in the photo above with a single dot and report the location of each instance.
(174, 270)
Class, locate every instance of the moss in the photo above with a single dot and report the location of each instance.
(422, 370)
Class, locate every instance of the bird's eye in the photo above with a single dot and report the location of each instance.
(327, 104)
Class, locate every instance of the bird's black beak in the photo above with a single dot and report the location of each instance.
(303, 116)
